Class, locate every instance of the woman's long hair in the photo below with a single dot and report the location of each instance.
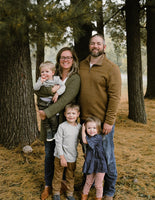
(75, 66)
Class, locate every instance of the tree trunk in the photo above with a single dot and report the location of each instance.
(18, 122)
(40, 43)
(40, 52)
(134, 65)
(150, 92)
(100, 27)
(81, 45)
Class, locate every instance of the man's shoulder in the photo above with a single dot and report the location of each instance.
(109, 63)
(86, 60)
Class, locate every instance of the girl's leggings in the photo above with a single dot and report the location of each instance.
(98, 178)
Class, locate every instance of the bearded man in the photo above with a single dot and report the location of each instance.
(100, 96)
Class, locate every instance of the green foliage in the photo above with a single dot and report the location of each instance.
(114, 17)
(13, 20)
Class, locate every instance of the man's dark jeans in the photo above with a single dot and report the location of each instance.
(111, 175)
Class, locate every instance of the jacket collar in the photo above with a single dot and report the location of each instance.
(100, 61)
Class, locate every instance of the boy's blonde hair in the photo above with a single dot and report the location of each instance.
(48, 64)
(96, 120)
(73, 106)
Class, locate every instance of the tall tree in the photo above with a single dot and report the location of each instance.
(40, 40)
(134, 66)
(18, 116)
(150, 92)
(100, 26)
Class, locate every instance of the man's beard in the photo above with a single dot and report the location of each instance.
(96, 54)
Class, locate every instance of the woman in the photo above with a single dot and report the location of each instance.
(67, 69)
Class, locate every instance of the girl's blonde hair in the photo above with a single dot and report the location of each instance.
(48, 64)
(96, 120)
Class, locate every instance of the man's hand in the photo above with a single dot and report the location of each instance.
(55, 88)
(107, 128)
(42, 114)
(63, 161)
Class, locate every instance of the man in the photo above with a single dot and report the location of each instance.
(100, 95)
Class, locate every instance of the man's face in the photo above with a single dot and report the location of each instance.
(96, 46)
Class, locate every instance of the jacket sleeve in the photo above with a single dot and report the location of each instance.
(72, 89)
(37, 85)
(114, 94)
(62, 88)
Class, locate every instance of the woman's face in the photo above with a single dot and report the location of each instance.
(66, 60)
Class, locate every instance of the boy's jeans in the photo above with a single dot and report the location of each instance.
(49, 162)
(111, 175)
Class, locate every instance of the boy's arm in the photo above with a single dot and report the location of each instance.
(58, 142)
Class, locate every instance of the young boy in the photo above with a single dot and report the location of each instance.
(47, 79)
(66, 140)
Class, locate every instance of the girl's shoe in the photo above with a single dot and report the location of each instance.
(84, 197)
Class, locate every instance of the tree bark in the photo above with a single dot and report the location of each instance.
(134, 65)
(40, 43)
(150, 92)
(18, 120)
(81, 45)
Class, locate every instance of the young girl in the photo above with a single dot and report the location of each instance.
(95, 164)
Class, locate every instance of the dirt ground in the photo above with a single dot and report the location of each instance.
(22, 176)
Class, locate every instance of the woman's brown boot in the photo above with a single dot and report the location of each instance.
(84, 197)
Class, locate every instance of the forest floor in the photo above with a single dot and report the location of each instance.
(22, 175)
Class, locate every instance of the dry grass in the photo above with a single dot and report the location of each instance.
(22, 176)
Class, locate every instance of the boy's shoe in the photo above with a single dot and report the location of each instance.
(50, 135)
(70, 198)
(56, 197)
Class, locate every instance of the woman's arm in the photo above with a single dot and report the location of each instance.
(72, 89)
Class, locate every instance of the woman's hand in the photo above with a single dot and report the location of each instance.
(42, 114)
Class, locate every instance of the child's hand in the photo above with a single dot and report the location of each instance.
(83, 127)
(55, 98)
(63, 161)
(55, 88)
(43, 79)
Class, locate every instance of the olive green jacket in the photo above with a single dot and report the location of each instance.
(70, 94)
